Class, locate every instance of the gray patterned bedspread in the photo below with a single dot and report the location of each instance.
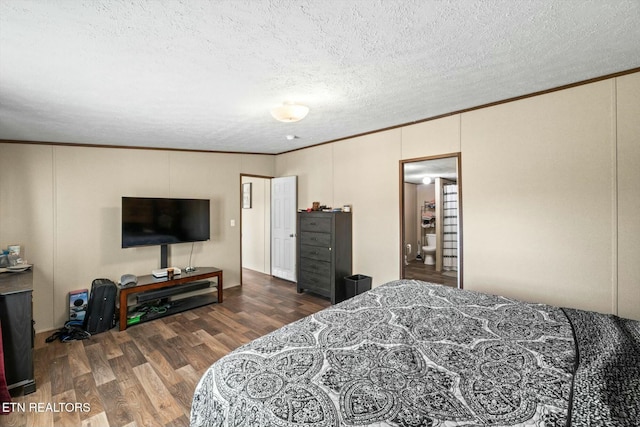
(410, 353)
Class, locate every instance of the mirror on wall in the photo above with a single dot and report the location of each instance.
(431, 223)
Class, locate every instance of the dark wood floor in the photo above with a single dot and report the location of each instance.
(146, 375)
(419, 271)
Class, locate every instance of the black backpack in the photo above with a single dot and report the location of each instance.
(101, 310)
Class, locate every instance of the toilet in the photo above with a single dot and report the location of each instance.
(429, 251)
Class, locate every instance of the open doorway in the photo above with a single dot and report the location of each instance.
(431, 219)
(255, 223)
(268, 225)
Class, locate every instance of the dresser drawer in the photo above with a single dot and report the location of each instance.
(313, 223)
(315, 239)
(315, 281)
(315, 266)
(315, 252)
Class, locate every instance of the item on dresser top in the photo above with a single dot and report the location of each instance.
(14, 255)
(102, 307)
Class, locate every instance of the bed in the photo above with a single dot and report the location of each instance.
(411, 353)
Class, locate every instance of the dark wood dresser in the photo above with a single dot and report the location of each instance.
(324, 253)
(16, 315)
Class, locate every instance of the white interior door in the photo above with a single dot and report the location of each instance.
(284, 202)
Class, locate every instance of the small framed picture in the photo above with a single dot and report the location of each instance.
(246, 195)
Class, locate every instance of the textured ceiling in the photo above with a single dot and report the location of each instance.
(202, 75)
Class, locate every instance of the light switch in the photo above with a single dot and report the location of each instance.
(233, 222)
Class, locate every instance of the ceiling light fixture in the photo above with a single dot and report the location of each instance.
(426, 180)
(290, 112)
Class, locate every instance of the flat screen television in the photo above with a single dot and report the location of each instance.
(148, 221)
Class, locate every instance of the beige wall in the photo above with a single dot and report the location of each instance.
(362, 172)
(432, 138)
(628, 197)
(27, 188)
(549, 192)
(537, 191)
(63, 204)
(542, 185)
(314, 169)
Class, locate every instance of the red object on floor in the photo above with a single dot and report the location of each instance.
(4, 391)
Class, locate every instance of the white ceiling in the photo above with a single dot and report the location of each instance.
(202, 75)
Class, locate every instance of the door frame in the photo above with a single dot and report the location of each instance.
(247, 175)
(458, 157)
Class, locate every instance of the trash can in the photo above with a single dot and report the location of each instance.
(355, 285)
